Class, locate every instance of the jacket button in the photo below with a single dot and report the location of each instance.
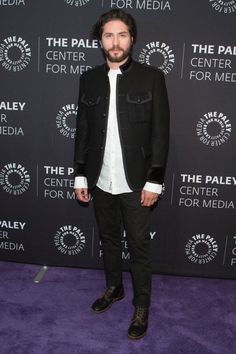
(106, 98)
(101, 148)
(103, 131)
(104, 114)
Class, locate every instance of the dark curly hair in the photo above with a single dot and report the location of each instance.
(114, 14)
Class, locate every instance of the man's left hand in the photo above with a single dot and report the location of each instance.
(148, 198)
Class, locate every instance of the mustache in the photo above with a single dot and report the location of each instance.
(115, 47)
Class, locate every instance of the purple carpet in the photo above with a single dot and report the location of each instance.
(188, 315)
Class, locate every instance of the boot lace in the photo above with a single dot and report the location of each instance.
(140, 314)
(109, 291)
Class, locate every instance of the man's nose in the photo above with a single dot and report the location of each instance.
(115, 40)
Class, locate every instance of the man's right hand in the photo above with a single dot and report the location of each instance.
(82, 194)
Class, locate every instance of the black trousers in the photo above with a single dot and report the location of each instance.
(110, 211)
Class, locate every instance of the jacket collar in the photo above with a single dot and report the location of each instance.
(124, 67)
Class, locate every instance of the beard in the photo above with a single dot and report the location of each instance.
(117, 58)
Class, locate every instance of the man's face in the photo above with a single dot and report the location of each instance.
(116, 41)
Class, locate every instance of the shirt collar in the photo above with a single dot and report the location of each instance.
(124, 67)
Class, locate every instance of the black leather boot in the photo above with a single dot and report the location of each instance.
(139, 323)
(111, 295)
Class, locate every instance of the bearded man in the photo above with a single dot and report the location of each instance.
(120, 157)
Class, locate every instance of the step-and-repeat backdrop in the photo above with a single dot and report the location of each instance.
(44, 48)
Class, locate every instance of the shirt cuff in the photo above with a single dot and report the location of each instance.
(80, 182)
(153, 187)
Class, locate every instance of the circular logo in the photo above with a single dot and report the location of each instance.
(65, 120)
(76, 3)
(224, 6)
(213, 129)
(69, 240)
(15, 53)
(158, 54)
(201, 249)
(14, 179)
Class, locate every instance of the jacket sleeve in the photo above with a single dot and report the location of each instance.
(160, 130)
(81, 137)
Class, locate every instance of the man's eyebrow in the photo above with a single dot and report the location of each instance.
(106, 32)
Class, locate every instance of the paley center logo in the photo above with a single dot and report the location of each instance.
(213, 129)
(14, 179)
(6, 226)
(158, 54)
(161, 5)
(65, 120)
(76, 3)
(201, 248)
(12, 2)
(15, 53)
(224, 6)
(69, 240)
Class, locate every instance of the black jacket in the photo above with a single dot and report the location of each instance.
(143, 122)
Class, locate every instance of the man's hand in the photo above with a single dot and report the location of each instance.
(148, 198)
(82, 194)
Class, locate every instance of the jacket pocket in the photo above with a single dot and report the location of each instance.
(90, 101)
(139, 106)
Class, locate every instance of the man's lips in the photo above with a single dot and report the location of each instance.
(116, 51)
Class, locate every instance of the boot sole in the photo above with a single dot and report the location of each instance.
(109, 306)
(139, 337)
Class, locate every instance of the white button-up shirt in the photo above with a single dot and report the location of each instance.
(112, 177)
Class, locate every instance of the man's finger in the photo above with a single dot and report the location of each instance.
(142, 196)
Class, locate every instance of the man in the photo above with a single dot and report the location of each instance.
(120, 156)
